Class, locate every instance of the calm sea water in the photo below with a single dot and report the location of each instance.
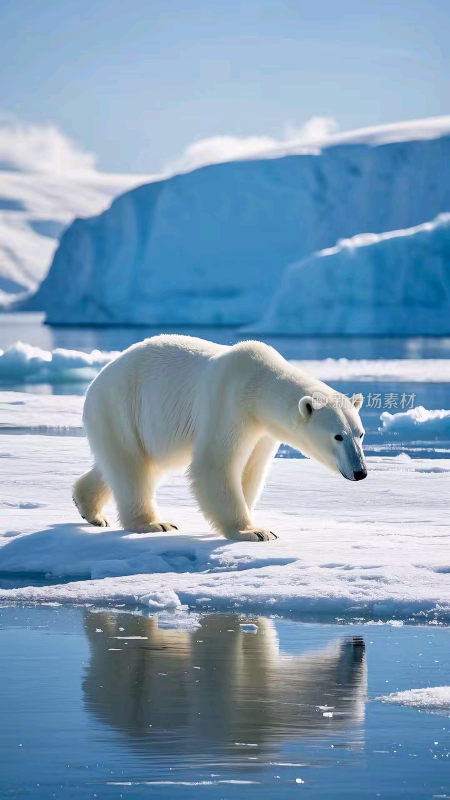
(30, 328)
(108, 705)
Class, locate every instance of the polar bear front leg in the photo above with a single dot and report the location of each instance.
(256, 469)
(217, 486)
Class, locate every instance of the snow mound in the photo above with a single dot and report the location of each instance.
(434, 699)
(209, 247)
(23, 363)
(418, 424)
(395, 283)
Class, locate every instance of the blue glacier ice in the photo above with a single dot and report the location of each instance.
(209, 247)
(395, 283)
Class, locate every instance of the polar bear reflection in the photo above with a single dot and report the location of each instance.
(218, 685)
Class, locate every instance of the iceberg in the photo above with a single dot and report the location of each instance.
(209, 247)
(395, 283)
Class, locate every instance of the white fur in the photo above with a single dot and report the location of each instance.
(174, 401)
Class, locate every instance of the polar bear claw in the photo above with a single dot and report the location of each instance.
(153, 527)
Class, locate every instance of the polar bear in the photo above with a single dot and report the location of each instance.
(173, 401)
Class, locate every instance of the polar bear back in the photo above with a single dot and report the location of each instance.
(152, 389)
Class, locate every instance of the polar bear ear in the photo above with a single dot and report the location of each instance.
(305, 406)
(357, 400)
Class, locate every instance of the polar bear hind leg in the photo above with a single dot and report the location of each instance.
(130, 474)
(90, 494)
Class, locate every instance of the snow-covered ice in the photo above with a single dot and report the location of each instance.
(417, 424)
(395, 283)
(24, 363)
(378, 549)
(432, 699)
(210, 246)
(41, 412)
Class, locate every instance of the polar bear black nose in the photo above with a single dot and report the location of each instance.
(360, 475)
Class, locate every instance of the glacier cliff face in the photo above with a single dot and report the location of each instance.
(395, 283)
(209, 247)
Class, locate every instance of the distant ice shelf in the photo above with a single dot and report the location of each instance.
(209, 247)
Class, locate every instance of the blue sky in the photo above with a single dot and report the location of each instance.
(137, 81)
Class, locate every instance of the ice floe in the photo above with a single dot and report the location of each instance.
(417, 424)
(25, 363)
(432, 699)
(377, 549)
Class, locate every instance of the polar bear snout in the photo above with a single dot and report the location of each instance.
(350, 461)
(360, 475)
(353, 472)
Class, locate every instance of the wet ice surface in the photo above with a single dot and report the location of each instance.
(111, 704)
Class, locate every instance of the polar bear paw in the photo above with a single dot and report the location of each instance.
(93, 519)
(153, 527)
(99, 520)
(256, 535)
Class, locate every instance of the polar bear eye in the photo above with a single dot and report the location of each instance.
(339, 438)
(362, 436)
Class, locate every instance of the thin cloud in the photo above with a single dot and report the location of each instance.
(218, 149)
(28, 147)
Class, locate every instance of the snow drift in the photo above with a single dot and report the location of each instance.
(209, 247)
(395, 283)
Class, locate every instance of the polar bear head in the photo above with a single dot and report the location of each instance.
(331, 432)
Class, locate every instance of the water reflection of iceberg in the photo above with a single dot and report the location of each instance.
(177, 692)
